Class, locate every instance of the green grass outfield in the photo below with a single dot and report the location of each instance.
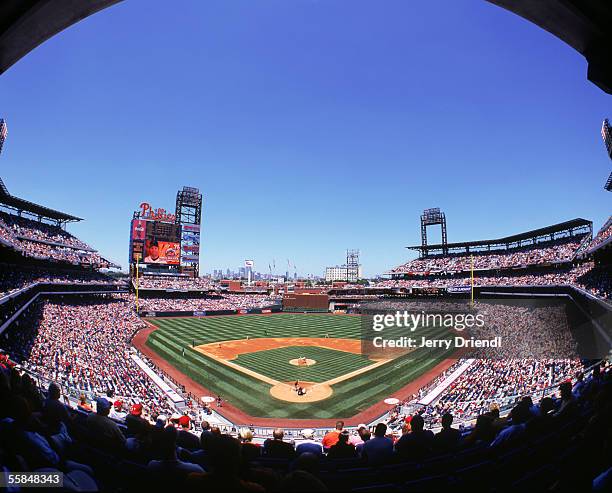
(274, 363)
(251, 395)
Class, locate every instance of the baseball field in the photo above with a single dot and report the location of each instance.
(253, 362)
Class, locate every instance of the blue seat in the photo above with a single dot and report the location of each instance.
(429, 483)
(473, 478)
(379, 488)
(538, 480)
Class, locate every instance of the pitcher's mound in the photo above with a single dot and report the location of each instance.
(314, 392)
(302, 362)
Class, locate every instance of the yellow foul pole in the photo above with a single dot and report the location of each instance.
(137, 280)
(472, 276)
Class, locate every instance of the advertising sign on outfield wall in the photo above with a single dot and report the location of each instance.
(458, 289)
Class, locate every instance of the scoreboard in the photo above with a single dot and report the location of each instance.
(169, 240)
(155, 242)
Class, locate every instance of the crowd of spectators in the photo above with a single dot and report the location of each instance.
(586, 276)
(223, 302)
(526, 331)
(597, 281)
(45, 251)
(567, 430)
(84, 345)
(197, 284)
(46, 242)
(39, 231)
(562, 250)
(14, 278)
(493, 383)
(604, 233)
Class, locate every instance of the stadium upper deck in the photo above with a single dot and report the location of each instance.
(574, 228)
(603, 239)
(35, 231)
(554, 244)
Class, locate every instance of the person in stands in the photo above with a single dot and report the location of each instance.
(309, 444)
(331, 437)
(117, 413)
(250, 450)
(342, 449)
(225, 467)
(185, 438)
(417, 443)
(166, 460)
(135, 419)
(276, 448)
(83, 405)
(103, 430)
(379, 449)
(55, 412)
(449, 438)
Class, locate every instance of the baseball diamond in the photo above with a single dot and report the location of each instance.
(247, 360)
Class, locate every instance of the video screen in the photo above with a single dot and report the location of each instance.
(162, 243)
(162, 252)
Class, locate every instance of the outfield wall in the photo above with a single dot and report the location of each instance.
(208, 313)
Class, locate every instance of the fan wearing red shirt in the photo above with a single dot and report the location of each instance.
(331, 437)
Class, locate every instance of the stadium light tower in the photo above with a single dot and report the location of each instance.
(606, 135)
(352, 265)
(189, 217)
(433, 217)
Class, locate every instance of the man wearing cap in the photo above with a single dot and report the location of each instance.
(184, 438)
(102, 429)
(309, 444)
(153, 253)
(364, 436)
(134, 420)
(117, 411)
(358, 438)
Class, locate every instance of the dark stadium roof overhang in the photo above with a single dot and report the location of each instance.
(40, 211)
(25, 24)
(571, 227)
(585, 25)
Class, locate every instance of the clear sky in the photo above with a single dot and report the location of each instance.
(309, 126)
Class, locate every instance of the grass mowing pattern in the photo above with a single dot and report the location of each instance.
(274, 363)
(251, 395)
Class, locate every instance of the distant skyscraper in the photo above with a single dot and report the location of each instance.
(3, 133)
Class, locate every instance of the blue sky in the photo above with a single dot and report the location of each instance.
(309, 126)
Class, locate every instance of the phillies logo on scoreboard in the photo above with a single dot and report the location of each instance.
(147, 212)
